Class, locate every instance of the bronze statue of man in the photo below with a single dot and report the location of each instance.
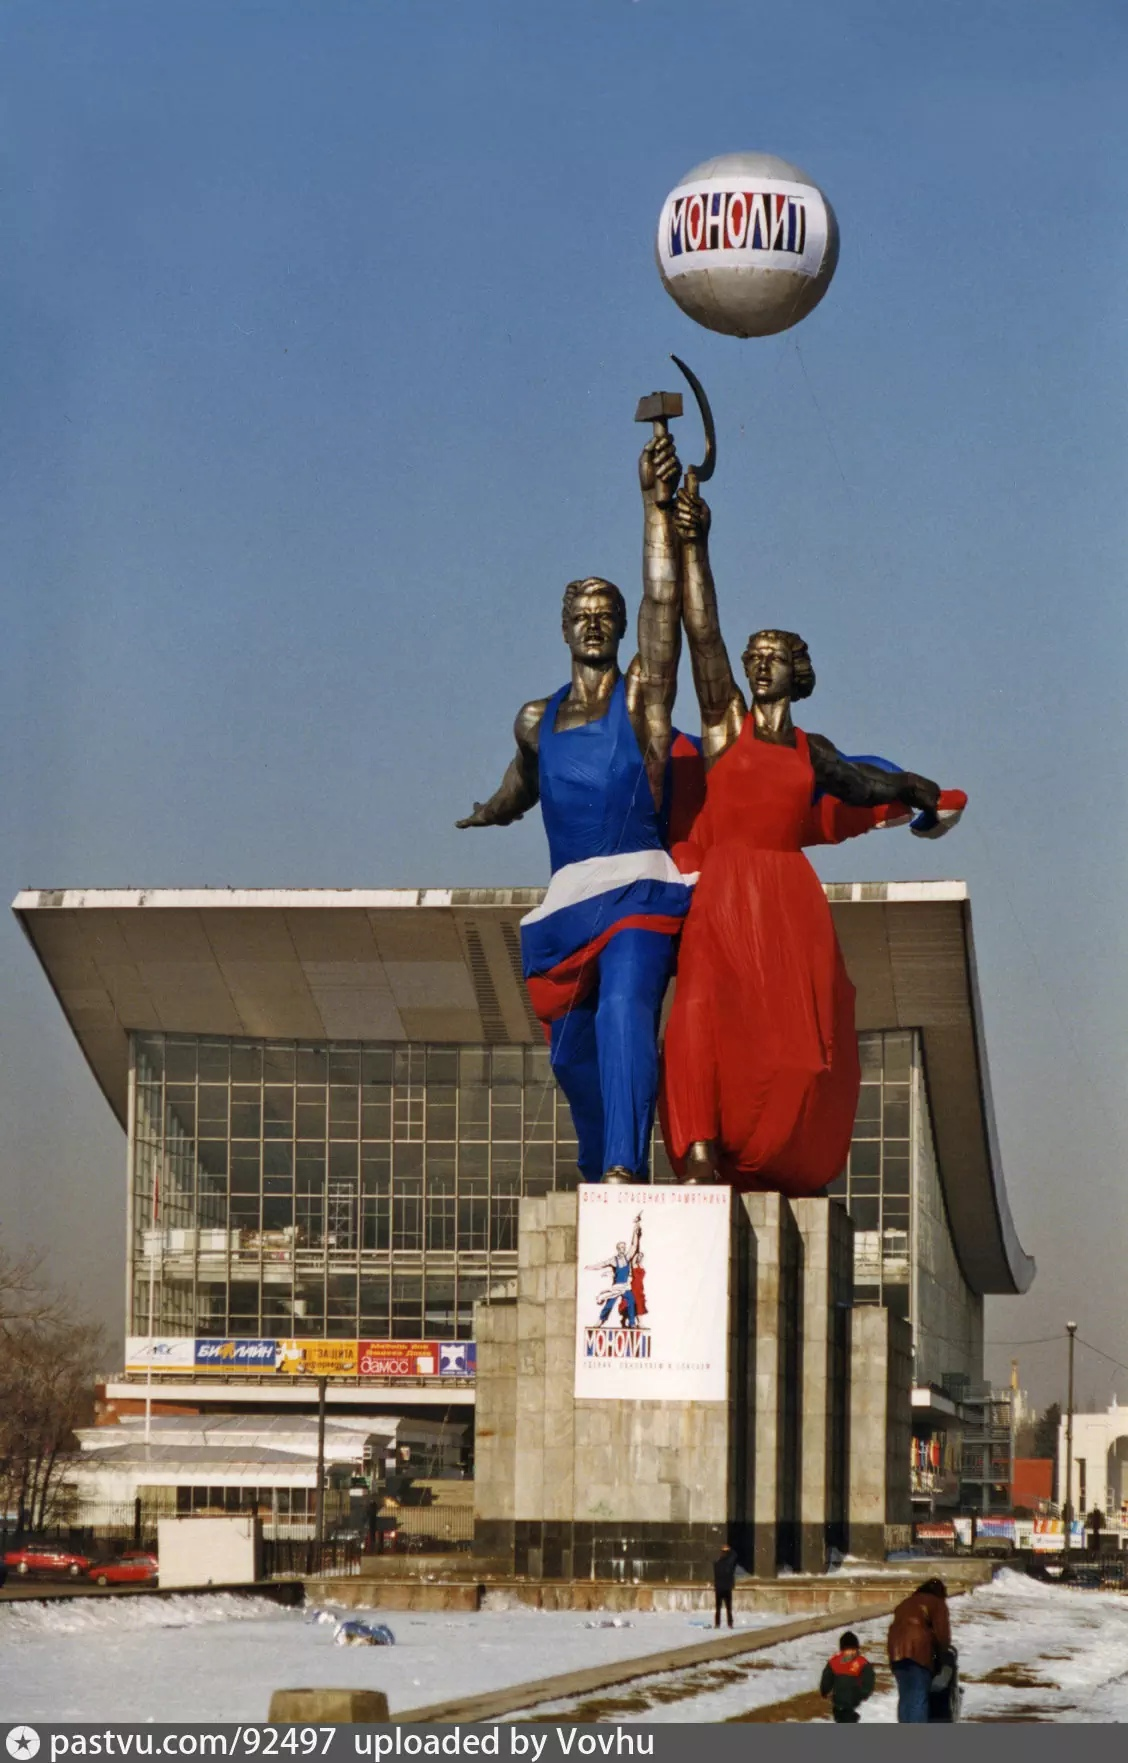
(597, 953)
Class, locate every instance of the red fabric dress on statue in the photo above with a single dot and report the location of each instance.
(761, 1053)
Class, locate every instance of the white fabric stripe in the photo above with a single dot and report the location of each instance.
(599, 875)
(947, 818)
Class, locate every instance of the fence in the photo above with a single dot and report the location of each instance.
(104, 1527)
(1106, 1573)
(286, 1558)
(427, 1530)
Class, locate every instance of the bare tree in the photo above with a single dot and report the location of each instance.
(48, 1362)
(25, 1297)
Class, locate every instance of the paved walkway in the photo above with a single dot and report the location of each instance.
(496, 1703)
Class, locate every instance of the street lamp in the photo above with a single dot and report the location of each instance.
(1071, 1331)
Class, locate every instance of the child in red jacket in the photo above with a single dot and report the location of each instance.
(848, 1679)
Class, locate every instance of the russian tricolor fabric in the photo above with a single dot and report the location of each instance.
(588, 903)
(611, 870)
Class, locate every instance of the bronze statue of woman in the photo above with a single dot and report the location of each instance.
(760, 1080)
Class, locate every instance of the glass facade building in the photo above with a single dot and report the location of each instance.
(365, 1190)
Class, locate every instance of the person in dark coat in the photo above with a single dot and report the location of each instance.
(848, 1679)
(724, 1578)
(920, 1636)
(1095, 1523)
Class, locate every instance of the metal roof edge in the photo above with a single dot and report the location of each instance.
(385, 899)
(1020, 1265)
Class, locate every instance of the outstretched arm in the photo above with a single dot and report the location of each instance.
(519, 789)
(867, 786)
(721, 700)
(652, 678)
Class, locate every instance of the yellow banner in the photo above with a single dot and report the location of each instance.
(319, 1358)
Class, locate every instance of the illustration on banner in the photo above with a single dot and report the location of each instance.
(625, 1294)
(627, 1289)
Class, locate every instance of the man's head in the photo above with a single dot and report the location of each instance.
(848, 1642)
(935, 1588)
(594, 620)
(621, 1247)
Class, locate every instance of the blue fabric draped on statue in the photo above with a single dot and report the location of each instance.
(610, 868)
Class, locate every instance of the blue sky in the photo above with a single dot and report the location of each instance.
(323, 327)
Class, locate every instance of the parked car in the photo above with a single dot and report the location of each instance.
(135, 1569)
(47, 1560)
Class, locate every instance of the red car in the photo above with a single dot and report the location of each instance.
(47, 1559)
(126, 1570)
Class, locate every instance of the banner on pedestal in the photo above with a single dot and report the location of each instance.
(652, 1293)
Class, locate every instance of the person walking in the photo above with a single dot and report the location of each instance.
(848, 1679)
(919, 1636)
(724, 1578)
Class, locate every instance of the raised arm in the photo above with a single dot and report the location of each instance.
(652, 677)
(519, 789)
(721, 700)
(867, 786)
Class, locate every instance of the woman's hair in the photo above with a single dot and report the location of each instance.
(595, 584)
(934, 1587)
(802, 672)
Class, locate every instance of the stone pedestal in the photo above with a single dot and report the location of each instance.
(569, 1488)
(880, 1501)
(828, 1279)
(773, 1323)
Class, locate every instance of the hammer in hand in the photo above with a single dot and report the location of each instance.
(658, 408)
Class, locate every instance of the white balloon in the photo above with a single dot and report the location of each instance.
(747, 244)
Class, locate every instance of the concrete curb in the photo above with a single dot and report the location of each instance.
(495, 1703)
(287, 1592)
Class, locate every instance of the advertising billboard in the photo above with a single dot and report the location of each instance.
(652, 1293)
(301, 1358)
(159, 1353)
(399, 1358)
(1048, 1535)
(996, 1529)
(940, 1530)
(458, 1358)
(237, 1354)
(318, 1358)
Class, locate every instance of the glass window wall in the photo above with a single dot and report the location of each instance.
(355, 1191)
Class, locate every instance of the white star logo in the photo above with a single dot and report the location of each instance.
(22, 1742)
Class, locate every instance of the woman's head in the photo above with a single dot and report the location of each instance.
(778, 665)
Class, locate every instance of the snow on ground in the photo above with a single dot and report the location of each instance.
(1028, 1651)
(218, 1657)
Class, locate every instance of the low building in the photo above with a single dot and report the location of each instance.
(266, 1464)
(333, 1101)
(1100, 1464)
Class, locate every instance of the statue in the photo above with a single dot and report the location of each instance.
(597, 953)
(761, 1075)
